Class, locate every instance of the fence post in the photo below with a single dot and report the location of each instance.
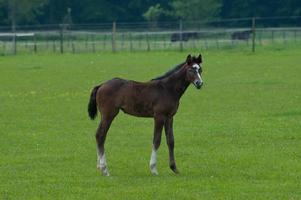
(62, 38)
(295, 35)
(253, 33)
(147, 41)
(114, 37)
(14, 40)
(181, 34)
(272, 36)
(122, 41)
(47, 41)
(35, 49)
(93, 43)
(139, 42)
(73, 47)
(104, 42)
(15, 43)
(13, 23)
(131, 42)
(4, 47)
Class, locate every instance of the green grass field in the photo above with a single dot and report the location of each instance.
(237, 138)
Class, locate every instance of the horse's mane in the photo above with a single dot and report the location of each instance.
(168, 73)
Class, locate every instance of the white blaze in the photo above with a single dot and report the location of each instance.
(197, 68)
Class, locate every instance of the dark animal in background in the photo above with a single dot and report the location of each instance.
(185, 36)
(241, 35)
(158, 98)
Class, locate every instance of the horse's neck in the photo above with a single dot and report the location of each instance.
(177, 83)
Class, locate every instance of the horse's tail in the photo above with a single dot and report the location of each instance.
(92, 106)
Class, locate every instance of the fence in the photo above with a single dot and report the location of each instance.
(177, 35)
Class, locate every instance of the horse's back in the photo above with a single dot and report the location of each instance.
(115, 90)
(115, 83)
(111, 87)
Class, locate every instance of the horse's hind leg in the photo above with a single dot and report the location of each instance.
(159, 122)
(101, 133)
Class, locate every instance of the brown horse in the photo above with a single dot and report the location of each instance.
(158, 98)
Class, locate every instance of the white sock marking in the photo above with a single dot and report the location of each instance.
(153, 162)
(102, 161)
(102, 164)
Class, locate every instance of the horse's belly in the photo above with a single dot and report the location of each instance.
(139, 110)
(138, 114)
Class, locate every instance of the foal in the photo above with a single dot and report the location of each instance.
(158, 98)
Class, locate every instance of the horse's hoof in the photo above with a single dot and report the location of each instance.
(105, 173)
(154, 170)
(174, 169)
(104, 170)
(155, 173)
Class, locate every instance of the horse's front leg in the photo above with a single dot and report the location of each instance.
(159, 122)
(168, 126)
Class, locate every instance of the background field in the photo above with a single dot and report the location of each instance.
(237, 138)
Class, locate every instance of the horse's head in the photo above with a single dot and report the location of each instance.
(194, 70)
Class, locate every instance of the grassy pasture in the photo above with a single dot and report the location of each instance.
(237, 138)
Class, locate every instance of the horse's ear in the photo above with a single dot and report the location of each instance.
(199, 59)
(189, 59)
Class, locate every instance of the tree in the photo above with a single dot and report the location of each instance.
(197, 9)
(117, 10)
(22, 11)
(260, 8)
(154, 13)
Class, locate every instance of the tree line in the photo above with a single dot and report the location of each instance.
(34, 12)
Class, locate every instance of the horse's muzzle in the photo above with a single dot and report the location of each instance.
(198, 84)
